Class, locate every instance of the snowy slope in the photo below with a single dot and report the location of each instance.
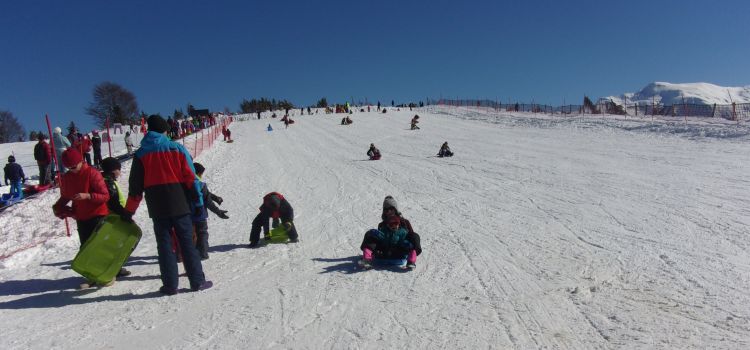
(539, 233)
(694, 93)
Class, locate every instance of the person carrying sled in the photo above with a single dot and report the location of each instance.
(274, 207)
(43, 157)
(373, 152)
(85, 187)
(414, 122)
(111, 168)
(163, 169)
(445, 151)
(14, 177)
(200, 217)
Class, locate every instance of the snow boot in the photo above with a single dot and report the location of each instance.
(411, 260)
(366, 261)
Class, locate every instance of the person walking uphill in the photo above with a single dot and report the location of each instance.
(84, 186)
(163, 169)
(14, 177)
(275, 207)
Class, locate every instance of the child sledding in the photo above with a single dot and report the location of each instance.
(346, 120)
(393, 243)
(373, 152)
(445, 151)
(414, 122)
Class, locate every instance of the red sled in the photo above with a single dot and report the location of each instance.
(32, 189)
(375, 157)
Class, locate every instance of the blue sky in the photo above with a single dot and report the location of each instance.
(215, 53)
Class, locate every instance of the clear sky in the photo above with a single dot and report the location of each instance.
(215, 53)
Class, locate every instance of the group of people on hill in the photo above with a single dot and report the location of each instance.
(178, 202)
(176, 199)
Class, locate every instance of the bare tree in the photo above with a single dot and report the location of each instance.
(113, 101)
(10, 129)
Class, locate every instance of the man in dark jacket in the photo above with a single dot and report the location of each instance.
(14, 177)
(43, 157)
(163, 169)
(96, 143)
(275, 207)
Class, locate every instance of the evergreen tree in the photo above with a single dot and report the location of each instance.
(322, 103)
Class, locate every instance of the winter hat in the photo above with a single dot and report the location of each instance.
(199, 168)
(110, 164)
(71, 157)
(157, 124)
(389, 202)
(11, 159)
(58, 130)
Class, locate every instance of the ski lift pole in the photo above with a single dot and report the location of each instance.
(59, 168)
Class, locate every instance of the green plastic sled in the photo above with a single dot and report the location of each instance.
(102, 256)
(278, 235)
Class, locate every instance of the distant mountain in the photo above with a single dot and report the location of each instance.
(694, 93)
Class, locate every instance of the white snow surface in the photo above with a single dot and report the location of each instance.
(693, 93)
(577, 233)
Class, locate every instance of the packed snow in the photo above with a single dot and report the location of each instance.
(541, 232)
(693, 93)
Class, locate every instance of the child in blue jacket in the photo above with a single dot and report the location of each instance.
(200, 217)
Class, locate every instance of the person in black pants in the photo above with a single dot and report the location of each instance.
(275, 207)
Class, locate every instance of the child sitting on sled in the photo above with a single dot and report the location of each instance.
(445, 151)
(387, 242)
(373, 152)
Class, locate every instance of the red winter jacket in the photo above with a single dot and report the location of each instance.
(87, 180)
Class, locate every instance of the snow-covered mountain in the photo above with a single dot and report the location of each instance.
(696, 93)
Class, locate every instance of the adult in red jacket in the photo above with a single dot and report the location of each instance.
(163, 169)
(43, 157)
(84, 186)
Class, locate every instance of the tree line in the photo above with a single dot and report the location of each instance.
(118, 104)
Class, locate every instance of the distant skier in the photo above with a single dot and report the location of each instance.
(445, 151)
(274, 207)
(200, 216)
(14, 177)
(414, 122)
(373, 152)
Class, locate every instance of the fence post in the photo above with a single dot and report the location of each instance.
(59, 167)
